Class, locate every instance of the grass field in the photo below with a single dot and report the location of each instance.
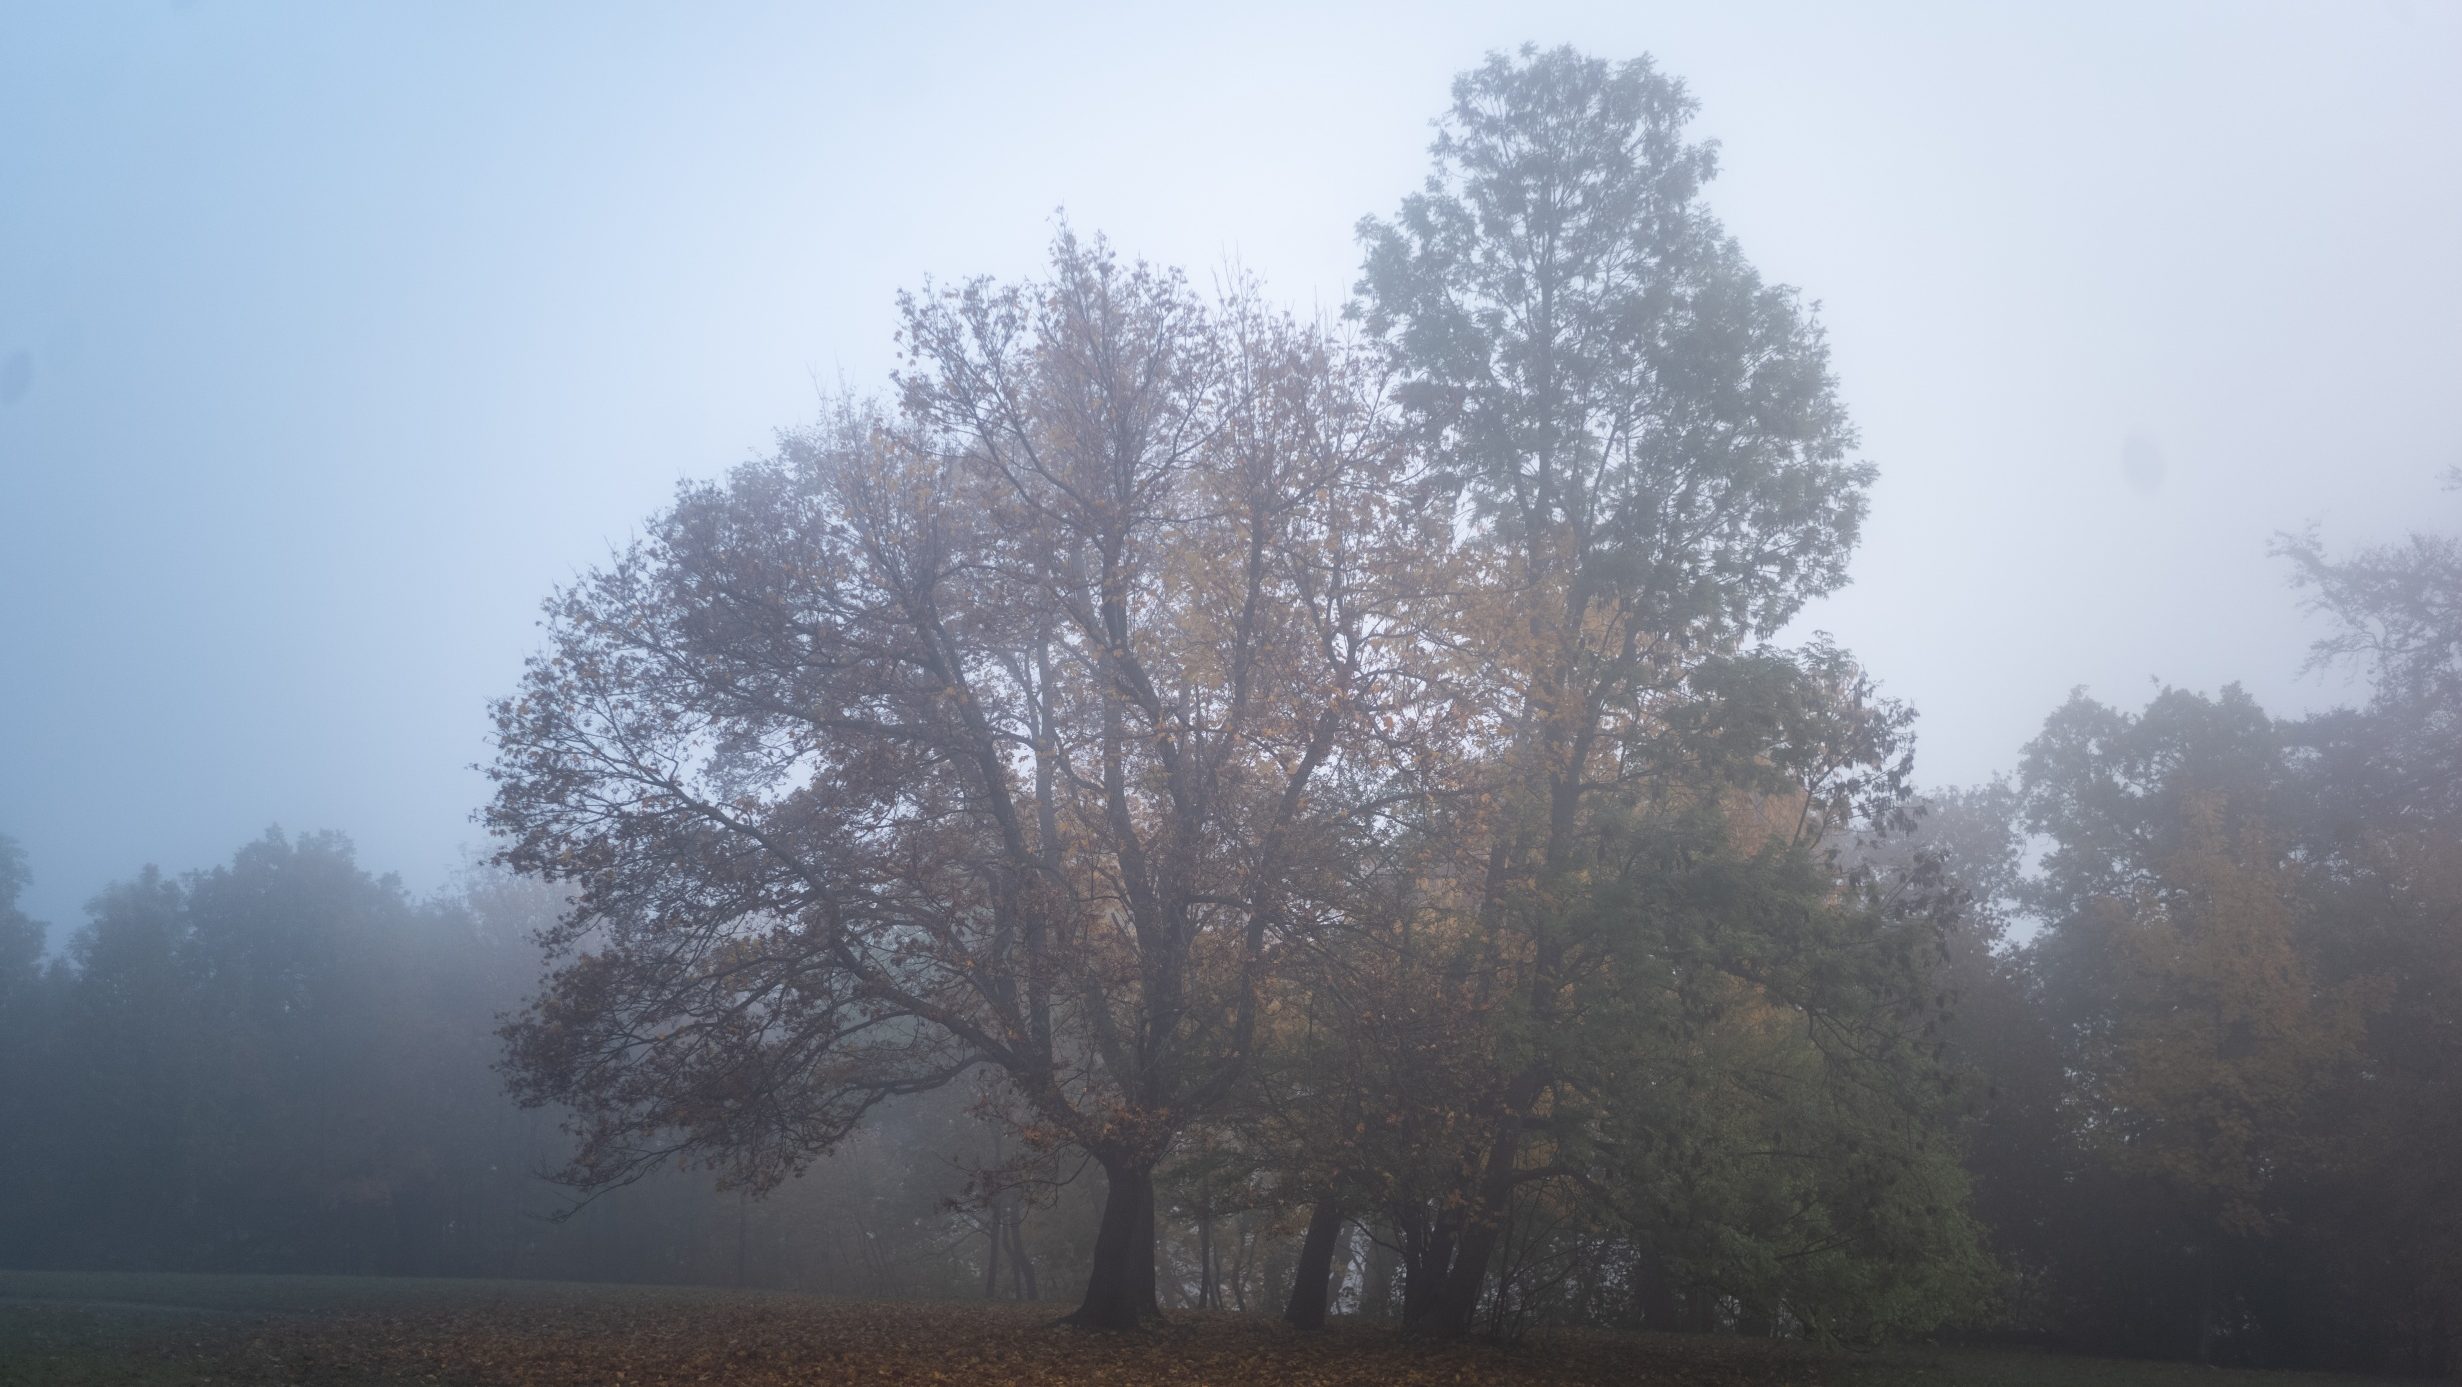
(61, 1329)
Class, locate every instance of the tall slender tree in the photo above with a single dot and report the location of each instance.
(1651, 464)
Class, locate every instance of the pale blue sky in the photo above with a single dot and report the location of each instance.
(332, 336)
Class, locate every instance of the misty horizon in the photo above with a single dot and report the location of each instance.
(1385, 695)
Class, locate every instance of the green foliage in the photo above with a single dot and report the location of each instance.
(1592, 360)
(1683, 1038)
(1778, 1125)
(2213, 1074)
(285, 1064)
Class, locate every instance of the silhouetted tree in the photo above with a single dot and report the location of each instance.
(1012, 731)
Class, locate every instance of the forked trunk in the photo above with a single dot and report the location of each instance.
(1311, 1285)
(1120, 1289)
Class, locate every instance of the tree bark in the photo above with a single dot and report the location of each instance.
(1120, 1288)
(1423, 1277)
(1457, 1305)
(1206, 1297)
(1311, 1284)
(1654, 1294)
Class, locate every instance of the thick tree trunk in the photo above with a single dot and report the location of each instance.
(1120, 1289)
(1423, 1279)
(1654, 1295)
(1457, 1306)
(1311, 1283)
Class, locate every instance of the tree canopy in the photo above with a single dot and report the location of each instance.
(1145, 648)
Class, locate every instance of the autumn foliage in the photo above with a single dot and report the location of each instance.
(1355, 749)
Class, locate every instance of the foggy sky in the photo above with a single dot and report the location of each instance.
(332, 337)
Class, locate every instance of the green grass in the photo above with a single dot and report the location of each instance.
(97, 1329)
(172, 1329)
(279, 1295)
(56, 1346)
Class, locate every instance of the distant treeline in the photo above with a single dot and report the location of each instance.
(285, 1064)
(2212, 1096)
(2220, 1082)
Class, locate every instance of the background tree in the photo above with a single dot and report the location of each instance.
(2241, 973)
(2196, 1037)
(285, 1064)
(25, 1064)
(2382, 810)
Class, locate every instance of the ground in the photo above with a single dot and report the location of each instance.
(60, 1329)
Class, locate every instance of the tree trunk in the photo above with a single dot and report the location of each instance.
(1243, 1242)
(1376, 1282)
(1120, 1289)
(1311, 1283)
(1654, 1294)
(1423, 1277)
(743, 1233)
(1206, 1298)
(994, 1234)
(1457, 1305)
(2205, 1306)
(1021, 1266)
